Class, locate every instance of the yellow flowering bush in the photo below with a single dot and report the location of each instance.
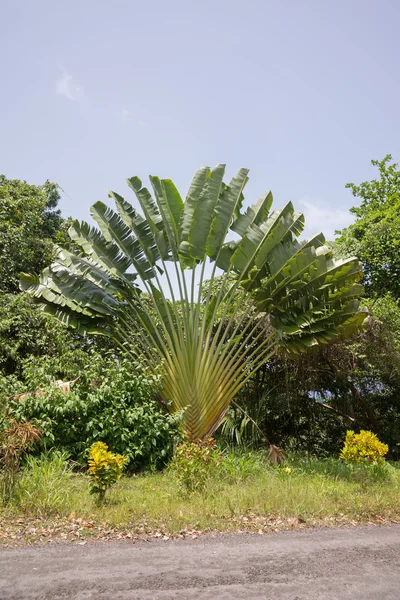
(105, 468)
(363, 447)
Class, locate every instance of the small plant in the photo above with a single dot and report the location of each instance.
(45, 484)
(15, 441)
(239, 466)
(363, 448)
(283, 472)
(105, 468)
(193, 463)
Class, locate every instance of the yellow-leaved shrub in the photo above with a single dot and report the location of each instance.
(105, 468)
(363, 447)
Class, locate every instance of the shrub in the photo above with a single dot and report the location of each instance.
(363, 447)
(105, 468)
(193, 463)
(114, 402)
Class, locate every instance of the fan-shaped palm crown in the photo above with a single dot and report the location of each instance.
(203, 334)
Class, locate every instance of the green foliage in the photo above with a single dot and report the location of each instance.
(243, 493)
(385, 311)
(338, 471)
(29, 225)
(113, 401)
(105, 468)
(285, 415)
(363, 447)
(45, 484)
(36, 348)
(193, 463)
(238, 466)
(307, 297)
(307, 404)
(375, 235)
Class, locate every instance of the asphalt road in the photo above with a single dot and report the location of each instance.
(319, 564)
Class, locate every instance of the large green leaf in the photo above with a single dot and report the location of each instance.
(204, 213)
(170, 204)
(192, 198)
(254, 214)
(93, 244)
(115, 230)
(224, 213)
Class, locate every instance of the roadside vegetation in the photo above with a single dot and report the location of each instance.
(264, 398)
(244, 493)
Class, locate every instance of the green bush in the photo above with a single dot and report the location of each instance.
(113, 402)
(193, 463)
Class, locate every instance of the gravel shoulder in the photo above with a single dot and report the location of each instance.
(319, 564)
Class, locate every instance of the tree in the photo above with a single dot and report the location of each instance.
(29, 224)
(375, 235)
(307, 403)
(33, 346)
(307, 297)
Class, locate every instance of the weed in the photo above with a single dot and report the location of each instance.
(15, 441)
(45, 485)
(193, 463)
(237, 467)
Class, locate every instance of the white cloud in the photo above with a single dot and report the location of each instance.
(319, 216)
(67, 87)
(126, 115)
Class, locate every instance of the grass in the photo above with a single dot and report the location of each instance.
(44, 486)
(244, 494)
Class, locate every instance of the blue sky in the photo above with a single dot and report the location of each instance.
(304, 93)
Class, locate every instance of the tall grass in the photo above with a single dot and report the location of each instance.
(45, 486)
